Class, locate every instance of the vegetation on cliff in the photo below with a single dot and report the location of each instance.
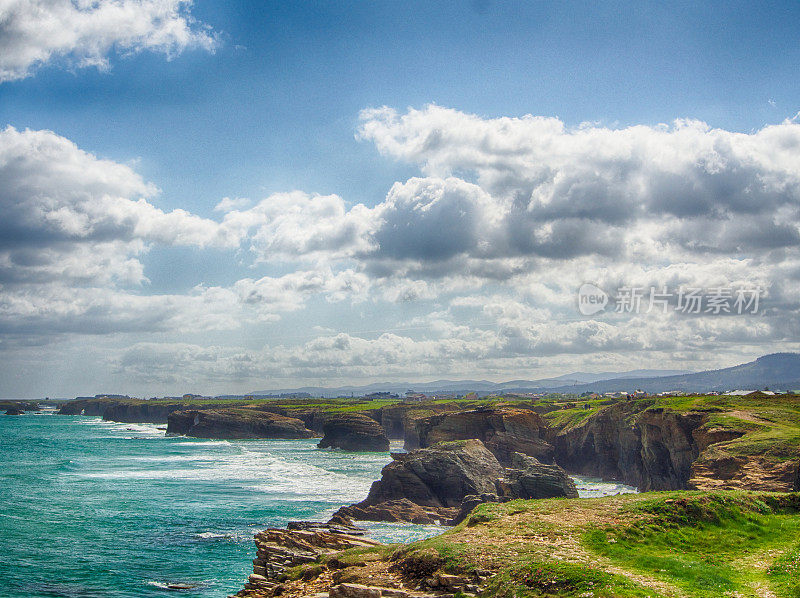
(665, 544)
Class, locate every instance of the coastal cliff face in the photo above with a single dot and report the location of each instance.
(651, 449)
(131, 413)
(399, 421)
(718, 470)
(503, 431)
(21, 406)
(235, 423)
(94, 407)
(654, 448)
(353, 432)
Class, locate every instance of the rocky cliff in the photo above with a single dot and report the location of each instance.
(133, 410)
(353, 432)
(144, 412)
(432, 484)
(504, 431)
(706, 448)
(651, 449)
(235, 423)
(19, 406)
(86, 406)
(399, 421)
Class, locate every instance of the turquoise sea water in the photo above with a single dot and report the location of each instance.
(100, 509)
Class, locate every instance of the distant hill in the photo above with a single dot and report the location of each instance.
(464, 386)
(778, 370)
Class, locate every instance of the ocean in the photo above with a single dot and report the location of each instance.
(101, 509)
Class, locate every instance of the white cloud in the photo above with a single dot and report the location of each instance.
(269, 295)
(474, 265)
(297, 225)
(84, 33)
(69, 215)
(592, 190)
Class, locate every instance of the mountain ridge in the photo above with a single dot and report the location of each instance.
(778, 370)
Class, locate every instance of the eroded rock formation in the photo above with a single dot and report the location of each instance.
(430, 485)
(504, 431)
(302, 543)
(353, 432)
(235, 423)
(651, 449)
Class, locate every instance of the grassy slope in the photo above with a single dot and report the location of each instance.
(654, 544)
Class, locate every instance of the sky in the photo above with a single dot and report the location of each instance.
(221, 197)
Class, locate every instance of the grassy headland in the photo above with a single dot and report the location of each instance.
(692, 544)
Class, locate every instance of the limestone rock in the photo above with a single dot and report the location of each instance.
(446, 481)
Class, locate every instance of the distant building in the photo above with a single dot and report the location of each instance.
(415, 397)
(381, 396)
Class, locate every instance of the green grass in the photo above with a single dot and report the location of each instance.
(701, 543)
(784, 574)
(695, 544)
(543, 578)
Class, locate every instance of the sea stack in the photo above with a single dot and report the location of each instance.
(354, 432)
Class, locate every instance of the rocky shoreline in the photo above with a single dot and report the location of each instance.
(443, 483)
(633, 442)
(461, 456)
(314, 548)
(304, 557)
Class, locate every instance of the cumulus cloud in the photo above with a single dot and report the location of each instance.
(68, 214)
(269, 295)
(476, 261)
(562, 193)
(298, 225)
(84, 33)
(507, 196)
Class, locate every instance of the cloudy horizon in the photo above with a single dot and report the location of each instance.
(387, 237)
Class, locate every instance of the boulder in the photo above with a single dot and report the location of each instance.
(235, 423)
(353, 432)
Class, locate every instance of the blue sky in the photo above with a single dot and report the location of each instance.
(263, 98)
